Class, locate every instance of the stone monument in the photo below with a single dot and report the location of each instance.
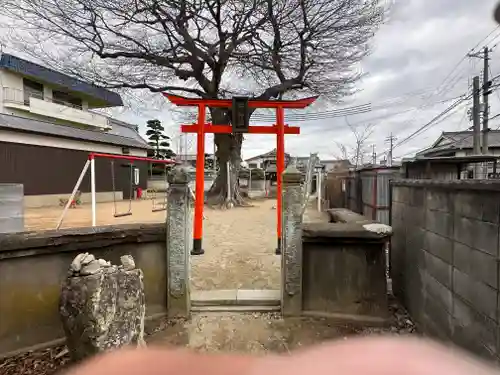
(102, 306)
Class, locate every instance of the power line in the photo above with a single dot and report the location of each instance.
(471, 133)
(433, 121)
(439, 90)
(334, 114)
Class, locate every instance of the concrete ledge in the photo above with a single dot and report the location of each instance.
(15, 245)
(232, 308)
(235, 297)
(52, 200)
(493, 185)
(343, 215)
(321, 232)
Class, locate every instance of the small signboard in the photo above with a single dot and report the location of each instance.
(240, 114)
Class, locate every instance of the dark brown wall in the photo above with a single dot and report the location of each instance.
(48, 170)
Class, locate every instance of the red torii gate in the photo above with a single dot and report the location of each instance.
(201, 128)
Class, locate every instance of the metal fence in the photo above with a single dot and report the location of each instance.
(367, 191)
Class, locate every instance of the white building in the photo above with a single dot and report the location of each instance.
(48, 126)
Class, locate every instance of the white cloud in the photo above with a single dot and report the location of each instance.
(412, 53)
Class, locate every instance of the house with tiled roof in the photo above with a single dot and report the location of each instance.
(460, 144)
(266, 161)
(50, 122)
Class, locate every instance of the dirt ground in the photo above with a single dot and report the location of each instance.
(265, 333)
(239, 243)
(239, 253)
(249, 333)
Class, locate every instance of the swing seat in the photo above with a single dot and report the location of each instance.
(122, 214)
(159, 209)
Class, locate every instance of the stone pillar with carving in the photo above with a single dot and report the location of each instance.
(179, 240)
(291, 259)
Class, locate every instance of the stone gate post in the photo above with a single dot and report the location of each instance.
(179, 223)
(291, 260)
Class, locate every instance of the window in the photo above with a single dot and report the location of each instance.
(252, 165)
(32, 89)
(64, 98)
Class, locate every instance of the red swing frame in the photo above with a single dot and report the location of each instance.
(201, 127)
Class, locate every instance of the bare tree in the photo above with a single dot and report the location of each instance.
(203, 48)
(356, 153)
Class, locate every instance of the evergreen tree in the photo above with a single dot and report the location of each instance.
(159, 140)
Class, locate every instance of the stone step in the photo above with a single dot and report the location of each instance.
(236, 297)
(235, 309)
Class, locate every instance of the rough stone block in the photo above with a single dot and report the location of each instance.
(438, 269)
(478, 234)
(473, 326)
(479, 265)
(439, 222)
(478, 294)
(439, 200)
(102, 307)
(483, 206)
(439, 246)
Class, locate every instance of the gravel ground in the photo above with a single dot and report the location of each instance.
(239, 245)
(239, 248)
(255, 333)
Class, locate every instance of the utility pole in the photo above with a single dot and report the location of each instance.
(475, 116)
(484, 55)
(486, 93)
(374, 155)
(391, 140)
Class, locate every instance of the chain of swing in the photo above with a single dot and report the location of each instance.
(116, 213)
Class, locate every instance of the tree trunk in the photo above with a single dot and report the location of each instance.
(228, 153)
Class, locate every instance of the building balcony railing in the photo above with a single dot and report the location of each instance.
(37, 104)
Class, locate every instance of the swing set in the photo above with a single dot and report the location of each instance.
(133, 182)
(160, 205)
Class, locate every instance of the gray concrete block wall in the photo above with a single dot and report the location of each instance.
(444, 259)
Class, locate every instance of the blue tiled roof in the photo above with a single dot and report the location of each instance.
(26, 68)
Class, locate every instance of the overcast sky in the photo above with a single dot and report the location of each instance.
(417, 48)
